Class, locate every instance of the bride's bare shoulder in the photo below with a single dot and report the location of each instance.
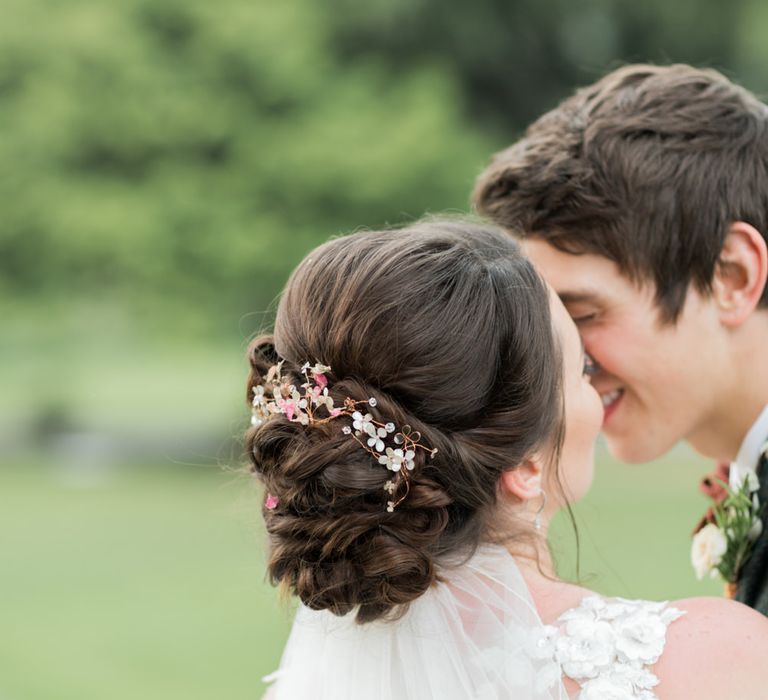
(718, 649)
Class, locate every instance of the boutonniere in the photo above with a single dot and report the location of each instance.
(725, 538)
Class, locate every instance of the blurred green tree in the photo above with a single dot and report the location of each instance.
(169, 152)
(167, 162)
(515, 59)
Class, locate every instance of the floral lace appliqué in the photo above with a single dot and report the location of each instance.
(606, 645)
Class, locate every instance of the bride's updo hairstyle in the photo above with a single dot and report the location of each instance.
(447, 326)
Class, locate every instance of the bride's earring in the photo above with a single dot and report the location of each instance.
(537, 519)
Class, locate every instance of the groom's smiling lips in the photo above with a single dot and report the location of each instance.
(611, 400)
(610, 396)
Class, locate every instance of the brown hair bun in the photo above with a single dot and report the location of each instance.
(447, 326)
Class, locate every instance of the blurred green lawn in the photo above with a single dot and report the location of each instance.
(147, 581)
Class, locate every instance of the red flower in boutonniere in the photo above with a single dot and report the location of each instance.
(712, 486)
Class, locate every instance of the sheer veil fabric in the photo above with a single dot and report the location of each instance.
(473, 636)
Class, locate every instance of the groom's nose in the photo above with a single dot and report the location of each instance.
(592, 367)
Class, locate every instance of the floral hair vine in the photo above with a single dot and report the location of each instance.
(311, 404)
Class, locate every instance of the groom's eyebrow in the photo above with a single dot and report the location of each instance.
(578, 296)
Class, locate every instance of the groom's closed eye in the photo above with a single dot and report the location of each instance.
(580, 314)
(584, 318)
(582, 306)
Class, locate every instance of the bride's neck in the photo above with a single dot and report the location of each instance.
(528, 545)
(534, 556)
(550, 595)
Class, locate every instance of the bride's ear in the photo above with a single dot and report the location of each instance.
(522, 482)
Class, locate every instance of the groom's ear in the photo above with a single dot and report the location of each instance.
(523, 481)
(740, 273)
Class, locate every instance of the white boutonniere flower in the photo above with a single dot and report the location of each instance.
(722, 546)
(709, 546)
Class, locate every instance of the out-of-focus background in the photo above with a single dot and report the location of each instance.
(163, 165)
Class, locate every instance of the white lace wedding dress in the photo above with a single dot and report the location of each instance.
(607, 646)
(477, 636)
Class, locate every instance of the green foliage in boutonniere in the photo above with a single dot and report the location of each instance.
(724, 545)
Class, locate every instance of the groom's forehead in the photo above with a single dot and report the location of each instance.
(579, 278)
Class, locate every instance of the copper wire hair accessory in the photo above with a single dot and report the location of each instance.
(311, 404)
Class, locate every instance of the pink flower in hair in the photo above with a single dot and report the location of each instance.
(271, 502)
(321, 380)
(287, 406)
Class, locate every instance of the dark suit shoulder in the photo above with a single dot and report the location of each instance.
(752, 587)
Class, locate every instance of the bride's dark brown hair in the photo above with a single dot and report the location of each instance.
(448, 327)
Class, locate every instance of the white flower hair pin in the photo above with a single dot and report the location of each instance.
(311, 404)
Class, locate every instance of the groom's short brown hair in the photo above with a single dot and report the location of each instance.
(647, 167)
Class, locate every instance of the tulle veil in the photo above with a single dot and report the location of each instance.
(474, 636)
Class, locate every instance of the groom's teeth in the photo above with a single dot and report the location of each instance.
(610, 397)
